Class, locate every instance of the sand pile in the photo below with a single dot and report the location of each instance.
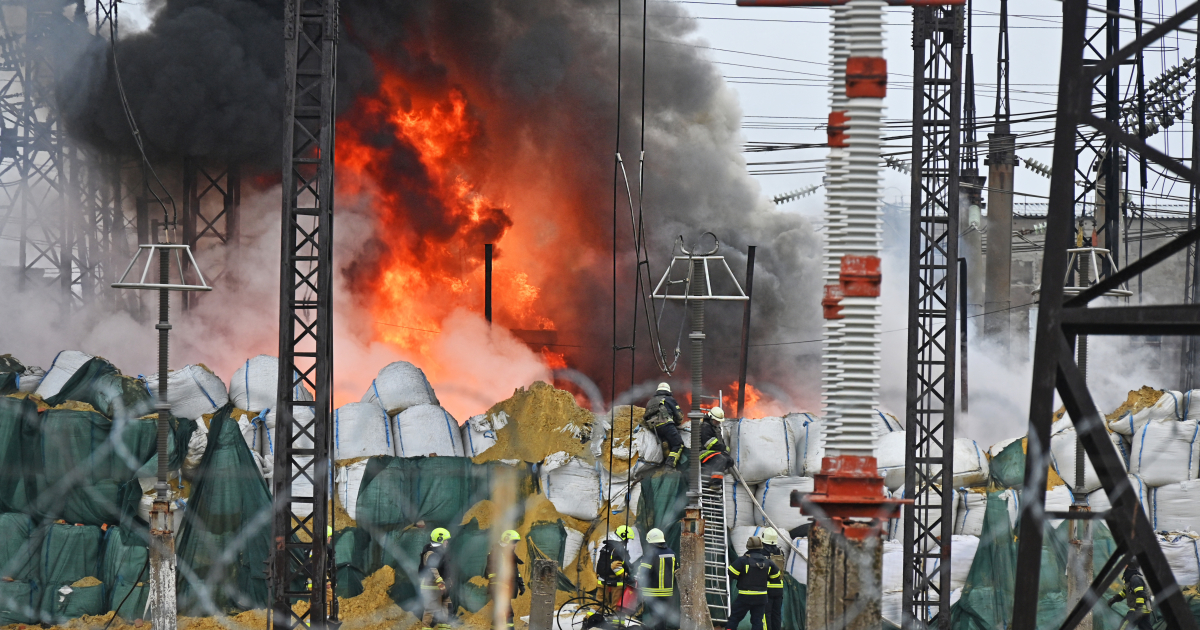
(1137, 400)
(542, 420)
(41, 404)
(86, 582)
(624, 419)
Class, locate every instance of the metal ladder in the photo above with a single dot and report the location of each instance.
(716, 546)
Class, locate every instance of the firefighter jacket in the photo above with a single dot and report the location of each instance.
(612, 564)
(434, 562)
(710, 440)
(775, 555)
(661, 409)
(1135, 594)
(753, 573)
(493, 568)
(656, 571)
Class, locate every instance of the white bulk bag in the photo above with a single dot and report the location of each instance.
(647, 445)
(809, 449)
(962, 554)
(1098, 500)
(426, 430)
(775, 497)
(739, 509)
(739, 535)
(479, 432)
(398, 386)
(255, 385)
(893, 566)
(572, 546)
(891, 607)
(763, 448)
(1172, 405)
(1062, 457)
(969, 509)
(615, 487)
(1177, 507)
(996, 448)
(361, 430)
(29, 380)
(797, 566)
(889, 458)
(1058, 499)
(197, 444)
(1183, 555)
(65, 364)
(192, 391)
(970, 464)
(574, 488)
(1166, 451)
(347, 481)
(888, 423)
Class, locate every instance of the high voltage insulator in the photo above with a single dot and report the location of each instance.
(795, 194)
(899, 165)
(1037, 167)
(1166, 100)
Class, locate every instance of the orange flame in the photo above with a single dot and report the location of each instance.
(758, 404)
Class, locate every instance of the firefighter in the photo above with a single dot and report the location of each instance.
(508, 544)
(432, 571)
(663, 417)
(771, 549)
(753, 573)
(613, 570)
(1137, 596)
(714, 459)
(656, 581)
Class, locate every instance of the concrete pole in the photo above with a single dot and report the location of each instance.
(845, 575)
(693, 606)
(970, 242)
(162, 538)
(543, 578)
(998, 291)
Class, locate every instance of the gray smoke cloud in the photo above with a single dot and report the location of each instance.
(205, 80)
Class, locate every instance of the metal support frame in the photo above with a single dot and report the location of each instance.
(212, 197)
(302, 447)
(1059, 322)
(932, 285)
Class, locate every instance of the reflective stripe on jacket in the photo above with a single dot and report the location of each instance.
(656, 575)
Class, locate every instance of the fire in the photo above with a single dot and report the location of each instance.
(758, 404)
(409, 156)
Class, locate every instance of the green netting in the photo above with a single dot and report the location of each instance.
(19, 546)
(401, 550)
(69, 553)
(8, 383)
(1008, 467)
(664, 495)
(225, 538)
(19, 602)
(350, 549)
(19, 453)
(548, 541)
(9, 363)
(101, 385)
(469, 547)
(70, 602)
(126, 552)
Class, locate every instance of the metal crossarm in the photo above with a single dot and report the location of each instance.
(302, 447)
(933, 283)
(1054, 364)
(716, 550)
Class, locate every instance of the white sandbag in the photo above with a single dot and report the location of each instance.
(891, 607)
(1166, 451)
(1062, 457)
(970, 464)
(888, 423)
(572, 546)
(763, 448)
(775, 497)
(968, 512)
(1182, 550)
(29, 380)
(809, 446)
(889, 458)
(996, 448)
(962, 554)
(1173, 405)
(647, 445)
(797, 566)
(426, 430)
(197, 444)
(893, 566)
(1058, 499)
(617, 492)
(255, 385)
(398, 386)
(346, 482)
(574, 488)
(192, 391)
(1098, 500)
(361, 430)
(65, 364)
(479, 432)
(1177, 507)
(739, 509)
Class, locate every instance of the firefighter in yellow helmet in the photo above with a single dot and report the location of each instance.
(508, 544)
(613, 568)
(1137, 596)
(432, 571)
(770, 539)
(656, 580)
(664, 418)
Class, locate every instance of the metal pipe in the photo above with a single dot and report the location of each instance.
(163, 406)
(697, 283)
(487, 282)
(741, 401)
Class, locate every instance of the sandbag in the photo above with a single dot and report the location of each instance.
(617, 491)
(126, 573)
(479, 432)
(19, 602)
(1172, 405)
(796, 565)
(969, 508)
(739, 509)
(775, 497)
(361, 430)
(1183, 555)
(893, 566)
(64, 366)
(970, 464)
(69, 554)
(424, 430)
(962, 554)
(29, 380)
(1177, 507)
(889, 458)
(255, 385)
(1098, 500)
(1166, 451)
(347, 481)
(195, 449)
(647, 445)
(192, 391)
(398, 386)
(809, 445)
(71, 602)
(19, 547)
(1062, 457)
(572, 547)
(572, 486)
(763, 448)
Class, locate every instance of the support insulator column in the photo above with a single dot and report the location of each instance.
(697, 284)
(835, 173)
